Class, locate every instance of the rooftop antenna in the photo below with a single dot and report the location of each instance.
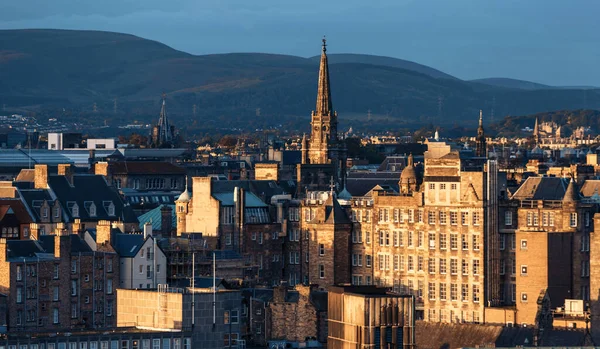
(214, 290)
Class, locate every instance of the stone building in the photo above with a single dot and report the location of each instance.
(211, 324)
(363, 316)
(75, 201)
(230, 216)
(157, 176)
(544, 242)
(297, 316)
(58, 282)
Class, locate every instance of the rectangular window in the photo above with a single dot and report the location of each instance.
(536, 221)
(464, 242)
(523, 270)
(396, 262)
(321, 249)
(109, 286)
(501, 242)
(442, 266)
(411, 265)
(502, 267)
(454, 292)
(19, 295)
(442, 186)
(432, 241)
(431, 186)
(442, 217)
(368, 260)
(475, 242)
(573, 219)
(465, 292)
(73, 287)
(431, 217)
(420, 238)
(545, 219)
(431, 265)
(155, 344)
(454, 218)
(321, 271)
(465, 267)
(454, 241)
(55, 315)
(396, 243)
(453, 266)
(19, 273)
(411, 216)
(476, 218)
(476, 293)
(464, 218)
(401, 263)
(551, 219)
(508, 218)
(443, 241)
(420, 263)
(432, 290)
(443, 292)
(476, 267)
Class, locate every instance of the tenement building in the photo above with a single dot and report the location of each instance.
(427, 240)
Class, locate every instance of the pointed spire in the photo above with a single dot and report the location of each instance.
(571, 192)
(185, 196)
(164, 129)
(480, 118)
(411, 161)
(324, 106)
(536, 128)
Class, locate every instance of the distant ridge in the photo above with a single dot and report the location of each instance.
(526, 85)
(64, 73)
(385, 61)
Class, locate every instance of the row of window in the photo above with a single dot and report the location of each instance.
(30, 315)
(31, 269)
(397, 239)
(412, 264)
(443, 291)
(463, 316)
(399, 215)
(548, 219)
(167, 343)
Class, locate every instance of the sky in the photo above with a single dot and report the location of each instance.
(555, 42)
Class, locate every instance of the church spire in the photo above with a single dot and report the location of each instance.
(163, 122)
(324, 93)
(481, 147)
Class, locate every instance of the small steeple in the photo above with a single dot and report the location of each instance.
(324, 106)
(571, 192)
(411, 160)
(436, 135)
(481, 147)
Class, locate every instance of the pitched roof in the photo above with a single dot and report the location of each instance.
(14, 209)
(154, 216)
(571, 194)
(145, 168)
(88, 189)
(127, 245)
(252, 200)
(590, 187)
(33, 198)
(335, 214)
(78, 245)
(541, 188)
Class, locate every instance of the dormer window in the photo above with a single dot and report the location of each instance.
(56, 212)
(75, 210)
(109, 207)
(93, 210)
(44, 212)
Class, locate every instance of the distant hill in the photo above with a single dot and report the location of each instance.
(63, 73)
(385, 61)
(513, 83)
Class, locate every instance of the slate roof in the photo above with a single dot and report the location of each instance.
(87, 189)
(589, 187)
(335, 214)
(542, 188)
(32, 198)
(264, 189)
(360, 183)
(145, 168)
(154, 216)
(252, 200)
(78, 245)
(127, 245)
(14, 209)
(26, 175)
(19, 249)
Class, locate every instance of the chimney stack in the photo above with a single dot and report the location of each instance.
(3, 250)
(147, 230)
(40, 180)
(101, 168)
(103, 236)
(166, 217)
(67, 171)
(62, 242)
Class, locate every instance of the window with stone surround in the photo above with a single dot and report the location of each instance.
(442, 217)
(508, 217)
(442, 265)
(443, 241)
(442, 292)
